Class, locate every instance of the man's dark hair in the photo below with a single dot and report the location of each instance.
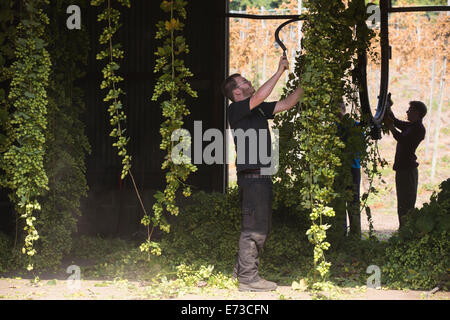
(229, 85)
(420, 107)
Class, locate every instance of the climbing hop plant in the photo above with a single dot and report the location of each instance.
(311, 151)
(112, 53)
(7, 35)
(171, 86)
(65, 139)
(23, 161)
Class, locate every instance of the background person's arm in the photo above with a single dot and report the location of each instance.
(402, 125)
(389, 123)
(411, 136)
(395, 133)
(391, 120)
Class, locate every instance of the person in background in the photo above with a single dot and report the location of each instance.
(408, 135)
(352, 207)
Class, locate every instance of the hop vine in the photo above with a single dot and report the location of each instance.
(7, 36)
(23, 161)
(66, 142)
(172, 84)
(313, 158)
(112, 53)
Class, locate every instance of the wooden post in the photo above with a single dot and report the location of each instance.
(299, 26)
(263, 24)
(430, 108)
(438, 120)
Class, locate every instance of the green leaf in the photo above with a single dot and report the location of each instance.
(51, 282)
(444, 223)
(425, 223)
(30, 94)
(4, 115)
(40, 44)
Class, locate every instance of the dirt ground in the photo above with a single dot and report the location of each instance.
(23, 289)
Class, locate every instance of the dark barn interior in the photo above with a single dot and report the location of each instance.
(112, 207)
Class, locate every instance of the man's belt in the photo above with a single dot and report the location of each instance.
(253, 173)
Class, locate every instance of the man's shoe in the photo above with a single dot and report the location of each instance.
(259, 286)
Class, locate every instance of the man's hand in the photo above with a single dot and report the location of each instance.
(388, 121)
(266, 89)
(389, 112)
(283, 64)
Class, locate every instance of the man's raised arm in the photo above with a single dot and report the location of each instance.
(290, 101)
(266, 89)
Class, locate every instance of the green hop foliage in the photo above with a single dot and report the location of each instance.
(112, 53)
(172, 83)
(314, 160)
(23, 159)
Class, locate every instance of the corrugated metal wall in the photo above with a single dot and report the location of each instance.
(112, 208)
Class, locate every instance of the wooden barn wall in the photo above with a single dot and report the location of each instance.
(112, 207)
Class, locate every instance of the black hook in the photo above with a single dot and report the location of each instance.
(277, 32)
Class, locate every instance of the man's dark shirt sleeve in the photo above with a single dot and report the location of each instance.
(268, 108)
(410, 134)
(402, 125)
(241, 109)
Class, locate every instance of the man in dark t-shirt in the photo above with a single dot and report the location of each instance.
(247, 117)
(250, 128)
(405, 164)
